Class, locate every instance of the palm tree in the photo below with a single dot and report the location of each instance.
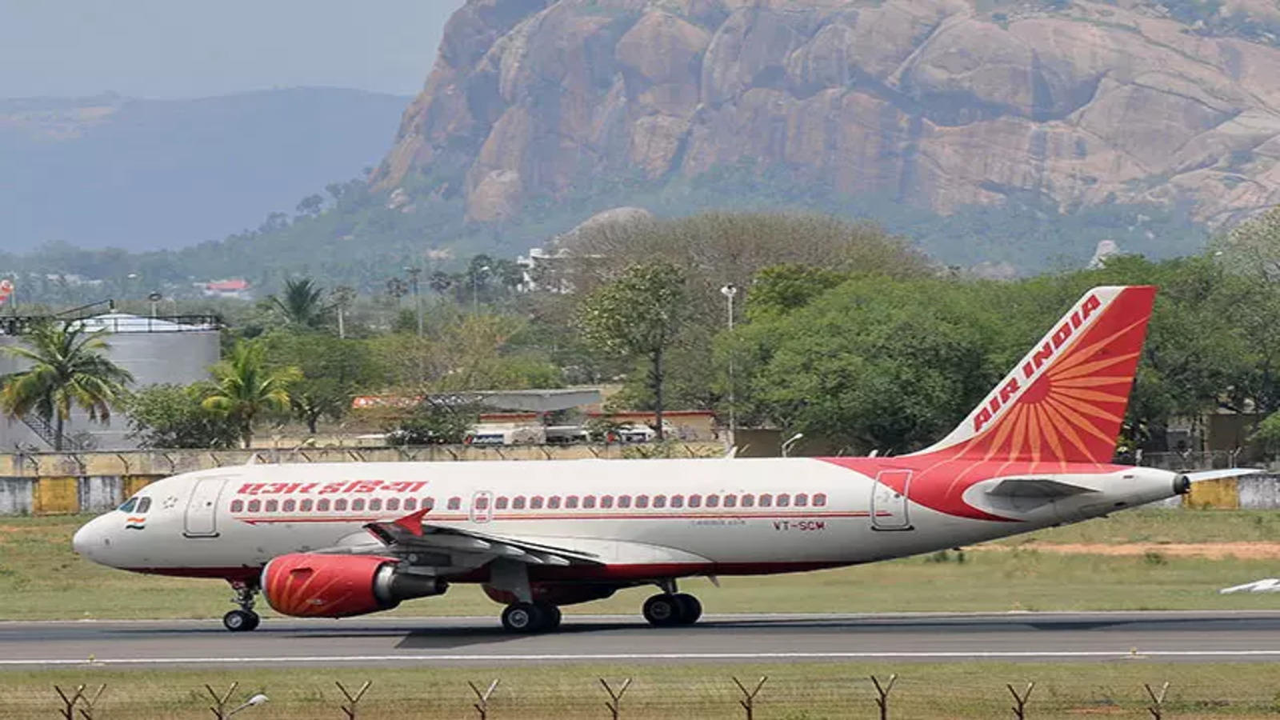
(302, 303)
(67, 368)
(245, 388)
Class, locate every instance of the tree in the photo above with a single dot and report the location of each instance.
(311, 205)
(639, 314)
(68, 369)
(331, 372)
(173, 416)
(246, 388)
(876, 363)
(302, 304)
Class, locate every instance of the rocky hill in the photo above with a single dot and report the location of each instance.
(940, 104)
(142, 174)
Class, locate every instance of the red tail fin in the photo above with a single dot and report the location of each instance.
(1065, 401)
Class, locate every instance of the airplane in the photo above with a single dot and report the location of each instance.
(347, 539)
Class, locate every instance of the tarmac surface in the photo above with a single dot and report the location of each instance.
(1095, 636)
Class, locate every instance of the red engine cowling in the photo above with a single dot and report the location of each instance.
(311, 585)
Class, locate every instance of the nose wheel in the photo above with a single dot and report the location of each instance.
(671, 609)
(241, 620)
(244, 619)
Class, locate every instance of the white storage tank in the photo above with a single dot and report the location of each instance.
(178, 350)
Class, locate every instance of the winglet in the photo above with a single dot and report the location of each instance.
(413, 521)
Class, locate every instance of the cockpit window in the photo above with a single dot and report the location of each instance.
(143, 505)
(128, 506)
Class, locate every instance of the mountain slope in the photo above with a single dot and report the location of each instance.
(143, 174)
(938, 104)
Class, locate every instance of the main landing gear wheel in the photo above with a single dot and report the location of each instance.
(522, 617)
(241, 620)
(666, 610)
(690, 608)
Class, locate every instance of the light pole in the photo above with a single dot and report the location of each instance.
(786, 446)
(730, 291)
(414, 272)
(154, 298)
(475, 282)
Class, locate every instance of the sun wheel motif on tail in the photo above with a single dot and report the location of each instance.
(1065, 402)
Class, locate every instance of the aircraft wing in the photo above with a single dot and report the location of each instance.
(1265, 585)
(411, 533)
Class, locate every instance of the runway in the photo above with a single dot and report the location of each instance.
(1179, 636)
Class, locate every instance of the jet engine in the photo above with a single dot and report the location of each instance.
(313, 585)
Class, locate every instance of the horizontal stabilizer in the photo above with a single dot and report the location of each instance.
(1220, 474)
(1037, 487)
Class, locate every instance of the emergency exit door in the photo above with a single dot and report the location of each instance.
(888, 503)
(202, 509)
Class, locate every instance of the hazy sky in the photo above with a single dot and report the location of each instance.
(192, 48)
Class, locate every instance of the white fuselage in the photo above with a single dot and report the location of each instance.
(230, 522)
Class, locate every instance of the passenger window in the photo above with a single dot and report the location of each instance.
(518, 503)
(536, 503)
(642, 501)
(606, 502)
(571, 502)
(428, 503)
(748, 500)
(783, 499)
(455, 503)
(237, 505)
(695, 501)
(677, 501)
(290, 505)
(501, 503)
(713, 501)
(482, 502)
(375, 505)
(322, 505)
(589, 502)
(143, 506)
(305, 506)
(272, 505)
(730, 501)
(129, 505)
(802, 499)
(624, 501)
(357, 505)
(410, 504)
(255, 506)
(766, 500)
(553, 502)
(659, 501)
(339, 505)
(819, 499)
(393, 504)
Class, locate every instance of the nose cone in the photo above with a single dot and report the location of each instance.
(90, 540)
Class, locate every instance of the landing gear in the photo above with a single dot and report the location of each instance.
(241, 620)
(523, 617)
(244, 619)
(671, 607)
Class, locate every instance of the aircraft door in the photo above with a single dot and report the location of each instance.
(482, 506)
(201, 519)
(888, 505)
